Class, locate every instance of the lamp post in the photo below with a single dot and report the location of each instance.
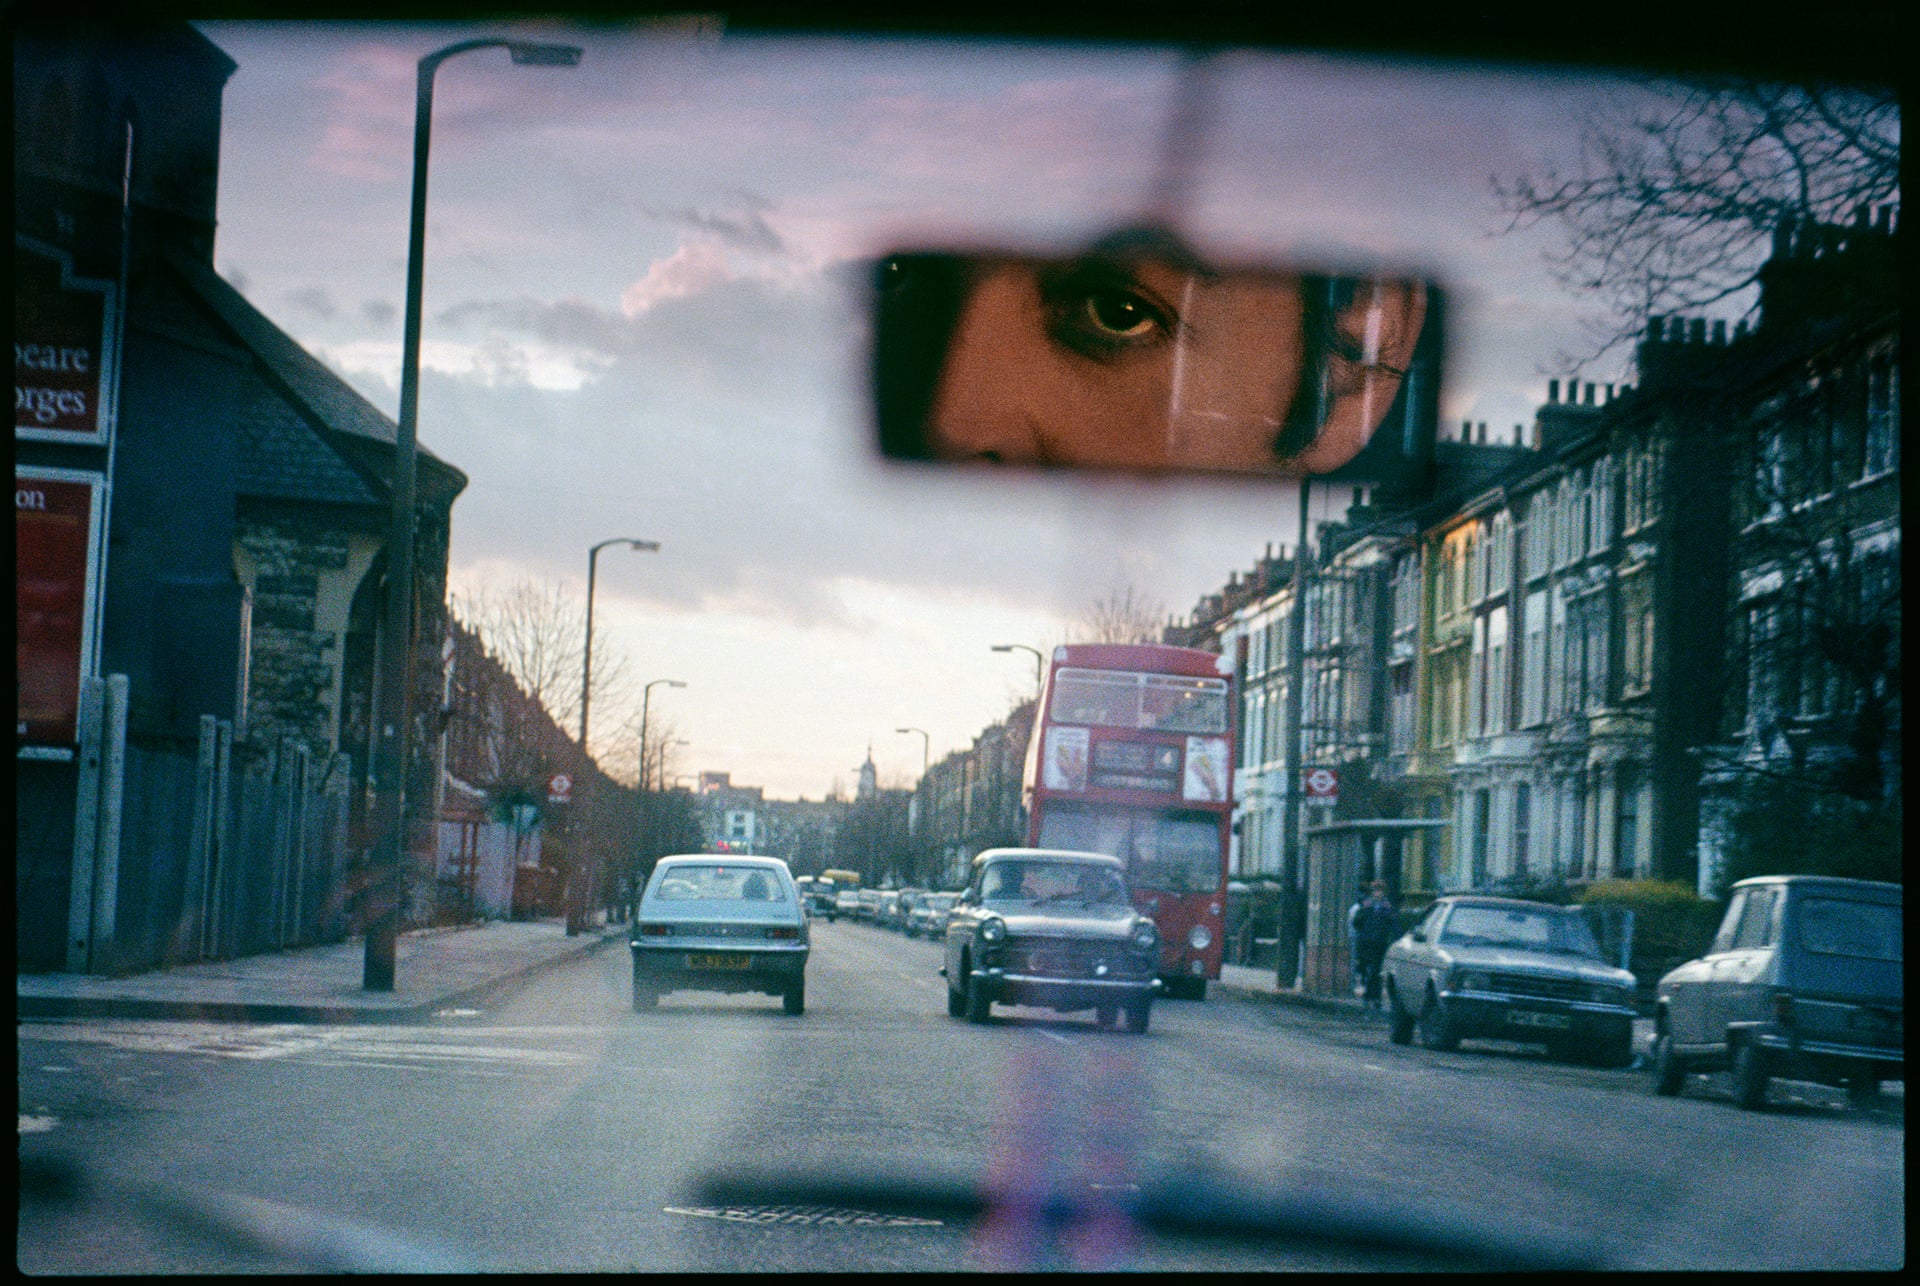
(396, 641)
(1039, 661)
(586, 653)
(641, 786)
(576, 915)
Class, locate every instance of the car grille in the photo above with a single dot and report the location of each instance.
(1065, 957)
(1526, 984)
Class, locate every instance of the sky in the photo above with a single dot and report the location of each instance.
(643, 318)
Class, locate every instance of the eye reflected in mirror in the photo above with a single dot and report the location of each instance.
(1137, 356)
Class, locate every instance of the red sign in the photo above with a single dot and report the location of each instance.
(559, 788)
(54, 529)
(62, 337)
(1323, 785)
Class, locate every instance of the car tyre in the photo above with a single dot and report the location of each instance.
(1612, 1050)
(1669, 1069)
(1106, 1015)
(1138, 1014)
(645, 997)
(795, 999)
(956, 1002)
(979, 1004)
(1399, 1021)
(1436, 1027)
(1750, 1076)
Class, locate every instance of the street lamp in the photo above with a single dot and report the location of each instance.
(661, 775)
(586, 655)
(576, 916)
(1039, 661)
(396, 641)
(646, 696)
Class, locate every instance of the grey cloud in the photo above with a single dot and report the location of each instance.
(378, 312)
(313, 299)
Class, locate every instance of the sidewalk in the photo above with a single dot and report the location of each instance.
(433, 969)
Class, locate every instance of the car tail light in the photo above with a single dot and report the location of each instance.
(1783, 1008)
(655, 930)
(783, 931)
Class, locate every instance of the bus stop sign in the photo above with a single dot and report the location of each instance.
(1323, 786)
(559, 788)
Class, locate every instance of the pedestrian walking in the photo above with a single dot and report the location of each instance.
(1371, 924)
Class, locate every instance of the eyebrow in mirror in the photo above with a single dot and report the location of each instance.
(1136, 356)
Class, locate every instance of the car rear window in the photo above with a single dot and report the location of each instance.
(1842, 927)
(719, 883)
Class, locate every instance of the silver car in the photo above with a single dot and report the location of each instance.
(1509, 970)
(711, 922)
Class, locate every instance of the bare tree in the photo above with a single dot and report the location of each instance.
(1124, 615)
(537, 630)
(1675, 195)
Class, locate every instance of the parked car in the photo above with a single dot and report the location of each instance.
(847, 902)
(886, 909)
(929, 914)
(1052, 928)
(901, 908)
(869, 905)
(714, 923)
(1803, 981)
(1508, 969)
(820, 898)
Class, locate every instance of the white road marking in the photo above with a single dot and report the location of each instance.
(1053, 1035)
(37, 1124)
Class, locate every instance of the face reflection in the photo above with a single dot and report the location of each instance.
(1134, 364)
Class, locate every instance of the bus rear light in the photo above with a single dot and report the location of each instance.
(1783, 1008)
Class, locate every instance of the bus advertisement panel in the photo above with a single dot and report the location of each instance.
(1132, 755)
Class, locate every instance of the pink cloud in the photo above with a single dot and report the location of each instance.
(687, 271)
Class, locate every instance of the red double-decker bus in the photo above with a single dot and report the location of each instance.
(1132, 754)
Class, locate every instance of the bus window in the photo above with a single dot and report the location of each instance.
(1091, 697)
(1164, 852)
(1184, 705)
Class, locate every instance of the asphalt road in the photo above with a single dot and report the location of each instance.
(560, 1130)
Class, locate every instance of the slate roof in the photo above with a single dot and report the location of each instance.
(305, 433)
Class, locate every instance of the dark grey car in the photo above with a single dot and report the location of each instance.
(1510, 970)
(1052, 928)
(1802, 981)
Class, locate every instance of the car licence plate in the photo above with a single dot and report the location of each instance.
(709, 961)
(1522, 1018)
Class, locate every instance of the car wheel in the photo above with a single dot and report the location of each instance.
(1750, 1076)
(979, 1004)
(956, 1002)
(1436, 1026)
(1614, 1050)
(1669, 1069)
(644, 996)
(1399, 1021)
(1138, 1013)
(795, 999)
(1106, 1015)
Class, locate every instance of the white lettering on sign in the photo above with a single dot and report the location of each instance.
(48, 404)
(47, 357)
(28, 498)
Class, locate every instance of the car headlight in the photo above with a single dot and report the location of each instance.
(1145, 936)
(993, 930)
(1199, 939)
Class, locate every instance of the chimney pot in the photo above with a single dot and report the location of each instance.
(1553, 391)
(1719, 331)
(1698, 328)
(1586, 398)
(1656, 328)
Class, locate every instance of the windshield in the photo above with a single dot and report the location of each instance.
(1041, 881)
(1522, 929)
(715, 884)
(1116, 700)
(463, 463)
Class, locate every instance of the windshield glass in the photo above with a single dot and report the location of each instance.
(1520, 928)
(1844, 927)
(715, 884)
(1111, 699)
(1038, 880)
(464, 463)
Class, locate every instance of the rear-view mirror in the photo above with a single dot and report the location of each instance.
(1136, 355)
